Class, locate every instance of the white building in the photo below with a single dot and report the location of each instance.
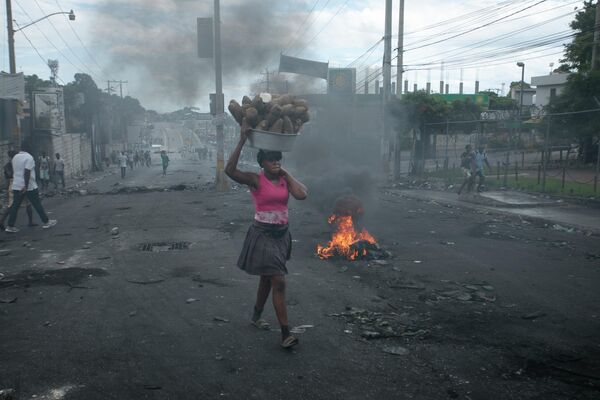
(548, 86)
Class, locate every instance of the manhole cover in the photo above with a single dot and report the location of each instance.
(163, 246)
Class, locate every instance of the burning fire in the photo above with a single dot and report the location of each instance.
(346, 241)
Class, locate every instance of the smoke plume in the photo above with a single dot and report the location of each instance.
(158, 41)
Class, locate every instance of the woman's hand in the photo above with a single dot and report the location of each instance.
(245, 130)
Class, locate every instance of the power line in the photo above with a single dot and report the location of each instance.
(482, 43)
(296, 35)
(90, 55)
(476, 28)
(63, 39)
(367, 53)
(324, 26)
(38, 53)
(47, 38)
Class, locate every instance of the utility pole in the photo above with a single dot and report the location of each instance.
(387, 57)
(400, 67)
(220, 179)
(387, 83)
(267, 75)
(11, 37)
(595, 47)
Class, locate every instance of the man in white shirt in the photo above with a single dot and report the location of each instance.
(24, 185)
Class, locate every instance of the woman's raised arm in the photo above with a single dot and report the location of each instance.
(231, 169)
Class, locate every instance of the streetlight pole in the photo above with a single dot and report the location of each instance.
(522, 65)
(12, 31)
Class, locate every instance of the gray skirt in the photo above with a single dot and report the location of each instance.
(266, 249)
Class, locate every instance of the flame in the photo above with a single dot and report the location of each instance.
(344, 238)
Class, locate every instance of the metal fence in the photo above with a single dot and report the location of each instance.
(520, 154)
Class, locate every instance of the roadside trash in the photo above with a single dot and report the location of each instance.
(9, 301)
(114, 231)
(219, 357)
(83, 192)
(447, 243)
(395, 350)
(220, 319)
(47, 323)
(561, 228)
(356, 277)
(343, 268)
(4, 253)
(381, 262)
(370, 334)
(8, 394)
(86, 246)
(534, 315)
(301, 328)
(397, 283)
(133, 313)
(347, 331)
(417, 261)
(60, 262)
(149, 282)
(190, 300)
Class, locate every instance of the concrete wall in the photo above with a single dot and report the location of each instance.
(542, 97)
(76, 150)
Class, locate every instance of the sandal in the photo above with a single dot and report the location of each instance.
(289, 342)
(261, 324)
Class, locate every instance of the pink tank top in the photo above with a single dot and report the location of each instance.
(271, 200)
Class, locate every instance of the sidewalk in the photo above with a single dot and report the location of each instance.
(556, 212)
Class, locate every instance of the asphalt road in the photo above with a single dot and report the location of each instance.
(478, 305)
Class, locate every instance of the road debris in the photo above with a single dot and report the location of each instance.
(191, 300)
(149, 282)
(114, 231)
(396, 350)
(301, 328)
(133, 313)
(9, 300)
(534, 315)
(8, 394)
(4, 253)
(220, 319)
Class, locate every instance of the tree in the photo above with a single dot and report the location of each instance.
(500, 102)
(578, 53)
(33, 83)
(582, 91)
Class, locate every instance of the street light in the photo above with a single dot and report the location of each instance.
(11, 32)
(522, 65)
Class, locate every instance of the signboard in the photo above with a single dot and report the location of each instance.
(206, 41)
(341, 81)
(48, 111)
(482, 100)
(303, 67)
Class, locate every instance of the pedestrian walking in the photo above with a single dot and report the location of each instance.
(268, 243)
(8, 179)
(130, 160)
(123, 164)
(481, 161)
(59, 170)
(44, 162)
(165, 161)
(24, 185)
(467, 164)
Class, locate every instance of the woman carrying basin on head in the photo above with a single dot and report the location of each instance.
(268, 243)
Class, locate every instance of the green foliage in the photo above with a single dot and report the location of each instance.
(33, 83)
(416, 109)
(578, 53)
